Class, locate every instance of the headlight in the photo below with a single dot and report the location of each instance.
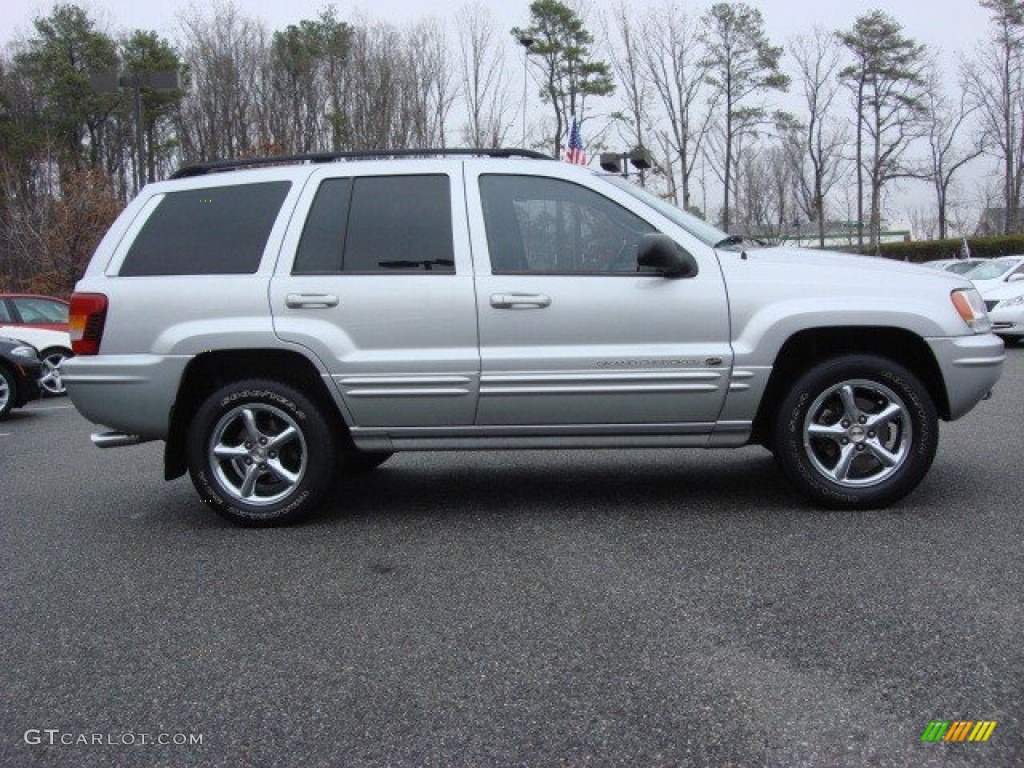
(1016, 301)
(971, 307)
(25, 352)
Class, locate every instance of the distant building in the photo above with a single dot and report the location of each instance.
(993, 222)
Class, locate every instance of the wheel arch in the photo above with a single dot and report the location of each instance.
(210, 371)
(815, 344)
(57, 348)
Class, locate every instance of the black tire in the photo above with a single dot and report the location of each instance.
(8, 392)
(836, 443)
(51, 383)
(239, 468)
(358, 462)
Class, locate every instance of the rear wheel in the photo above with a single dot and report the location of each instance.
(856, 432)
(261, 453)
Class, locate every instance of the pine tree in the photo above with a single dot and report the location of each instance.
(561, 53)
(741, 65)
(887, 78)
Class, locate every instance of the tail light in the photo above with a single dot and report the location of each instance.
(85, 323)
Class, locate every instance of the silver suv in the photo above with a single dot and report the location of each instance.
(274, 319)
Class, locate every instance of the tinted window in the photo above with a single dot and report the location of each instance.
(5, 313)
(400, 224)
(537, 225)
(214, 231)
(324, 234)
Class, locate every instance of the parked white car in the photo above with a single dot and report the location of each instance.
(1005, 304)
(54, 348)
(997, 271)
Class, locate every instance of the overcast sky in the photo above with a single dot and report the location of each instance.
(950, 26)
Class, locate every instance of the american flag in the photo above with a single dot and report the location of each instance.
(574, 152)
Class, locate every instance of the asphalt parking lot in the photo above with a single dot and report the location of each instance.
(639, 608)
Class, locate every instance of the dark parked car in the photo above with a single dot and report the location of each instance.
(20, 370)
(33, 311)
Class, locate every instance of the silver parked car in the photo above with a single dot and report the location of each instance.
(957, 266)
(269, 322)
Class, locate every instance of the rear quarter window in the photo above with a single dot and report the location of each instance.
(213, 231)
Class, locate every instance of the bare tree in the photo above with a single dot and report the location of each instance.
(372, 97)
(627, 59)
(923, 223)
(815, 147)
(764, 192)
(52, 235)
(427, 83)
(228, 60)
(947, 151)
(486, 88)
(995, 78)
(678, 73)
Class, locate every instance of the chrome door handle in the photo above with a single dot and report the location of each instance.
(310, 300)
(520, 300)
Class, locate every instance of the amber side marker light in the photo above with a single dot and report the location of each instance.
(970, 306)
(85, 322)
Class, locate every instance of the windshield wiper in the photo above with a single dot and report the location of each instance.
(427, 265)
(752, 242)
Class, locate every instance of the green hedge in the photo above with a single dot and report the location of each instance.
(983, 247)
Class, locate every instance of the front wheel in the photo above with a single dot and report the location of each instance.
(856, 432)
(261, 453)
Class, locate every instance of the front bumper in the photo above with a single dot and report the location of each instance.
(1008, 322)
(29, 374)
(970, 365)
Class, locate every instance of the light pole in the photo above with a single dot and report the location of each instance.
(111, 82)
(527, 43)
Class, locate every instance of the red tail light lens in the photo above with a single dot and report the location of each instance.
(85, 324)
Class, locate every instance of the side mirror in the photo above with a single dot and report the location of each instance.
(1016, 278)
(660, 252)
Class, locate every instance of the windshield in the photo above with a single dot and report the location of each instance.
(706, 233)
(993, 269)
(961, 267)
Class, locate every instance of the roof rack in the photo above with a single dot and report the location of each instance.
(216, 166)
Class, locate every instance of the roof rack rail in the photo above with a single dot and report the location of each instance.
(216, 166)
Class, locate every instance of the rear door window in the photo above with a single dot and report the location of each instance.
(379, 225)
